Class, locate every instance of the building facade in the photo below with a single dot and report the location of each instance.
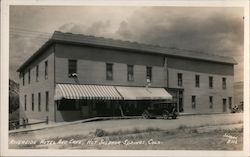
(73, 77)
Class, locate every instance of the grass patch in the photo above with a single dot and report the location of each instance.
(101, 133)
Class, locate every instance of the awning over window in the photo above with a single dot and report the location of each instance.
(143, 93)
(75, 91)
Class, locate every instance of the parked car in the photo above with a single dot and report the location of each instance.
(166, 110)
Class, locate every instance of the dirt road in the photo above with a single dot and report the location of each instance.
(131, 124)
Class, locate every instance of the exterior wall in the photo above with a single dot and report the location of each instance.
(91, 66)
(203, 92)
(35, 87)
(62, 116)
(238, 93)
(200, 66)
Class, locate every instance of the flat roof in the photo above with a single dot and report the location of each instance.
(60, 37)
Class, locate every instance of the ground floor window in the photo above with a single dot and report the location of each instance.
(193, 102)
(211, 102)
(68, 105)
(230, 102)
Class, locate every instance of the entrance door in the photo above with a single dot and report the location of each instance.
(224, 105)
(85, 110)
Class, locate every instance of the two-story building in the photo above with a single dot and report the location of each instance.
(75, 76)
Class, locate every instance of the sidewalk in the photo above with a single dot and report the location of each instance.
(54, 124)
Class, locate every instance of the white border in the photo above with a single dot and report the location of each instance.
(5, 76)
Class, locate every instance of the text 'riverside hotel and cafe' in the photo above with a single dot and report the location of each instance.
(74, 76)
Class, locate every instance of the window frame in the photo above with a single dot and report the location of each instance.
(179, 79)
(32, 102)
(39, 101)
(72, 67)
(224, 83)
(46, 70)
(230, 102)
(197, 81)
(23, 74)
(25, 102)
(193, 101)
(109, 70)
(130, 72)
(149, 74)
(211, 102)
(37, 73)
(29, 77)
(211, 82)
(47, 101)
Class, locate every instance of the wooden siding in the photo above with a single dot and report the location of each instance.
(200, 66)
(41, 86)
(203, 92)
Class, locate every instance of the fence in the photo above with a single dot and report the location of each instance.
(15, 124)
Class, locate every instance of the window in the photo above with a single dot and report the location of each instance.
(224, 83)
(39, 101)
(149, 74)
(32, 102)
(197, 81)
(179, 76)
(211, 101)
(109, 71)
(193, 102)
(130, 73)
(210, 82)
(29, 76)
(25, 102)
(47, 101)
(230, 102)
(72, 67)
(23, 78)
(37, 73)
(46, 70)
(68, 105)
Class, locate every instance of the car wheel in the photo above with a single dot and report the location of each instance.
(165, 115)
(145, 115)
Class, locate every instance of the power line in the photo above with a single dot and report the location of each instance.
(30, 31)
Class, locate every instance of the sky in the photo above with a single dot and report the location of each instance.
(217, 30)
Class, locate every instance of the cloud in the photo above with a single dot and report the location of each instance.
(204, 29)
(210, 30)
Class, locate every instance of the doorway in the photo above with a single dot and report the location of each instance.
(224, 105)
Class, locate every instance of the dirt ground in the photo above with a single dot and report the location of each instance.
(203, 132)
(179, 139)
(131, 124)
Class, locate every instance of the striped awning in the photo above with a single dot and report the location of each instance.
(143, 93)
(94, 92)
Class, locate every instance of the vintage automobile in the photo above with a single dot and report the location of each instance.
(163, 109)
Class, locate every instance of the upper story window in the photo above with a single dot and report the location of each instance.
(23, 75)
(149, 74)
(47, 101)
(29, 76)
(25, 102)
(46, 70)
(197, 81)
(32, 102)
(179, 79)
(211, 84)
(72, 67)
(230, 102)
(224, 83)
(109, 71)
(130, 69)
(39, 101)
(193, 101)
(211, 102)
(37, 73)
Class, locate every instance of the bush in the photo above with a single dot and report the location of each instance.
(100, 133)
